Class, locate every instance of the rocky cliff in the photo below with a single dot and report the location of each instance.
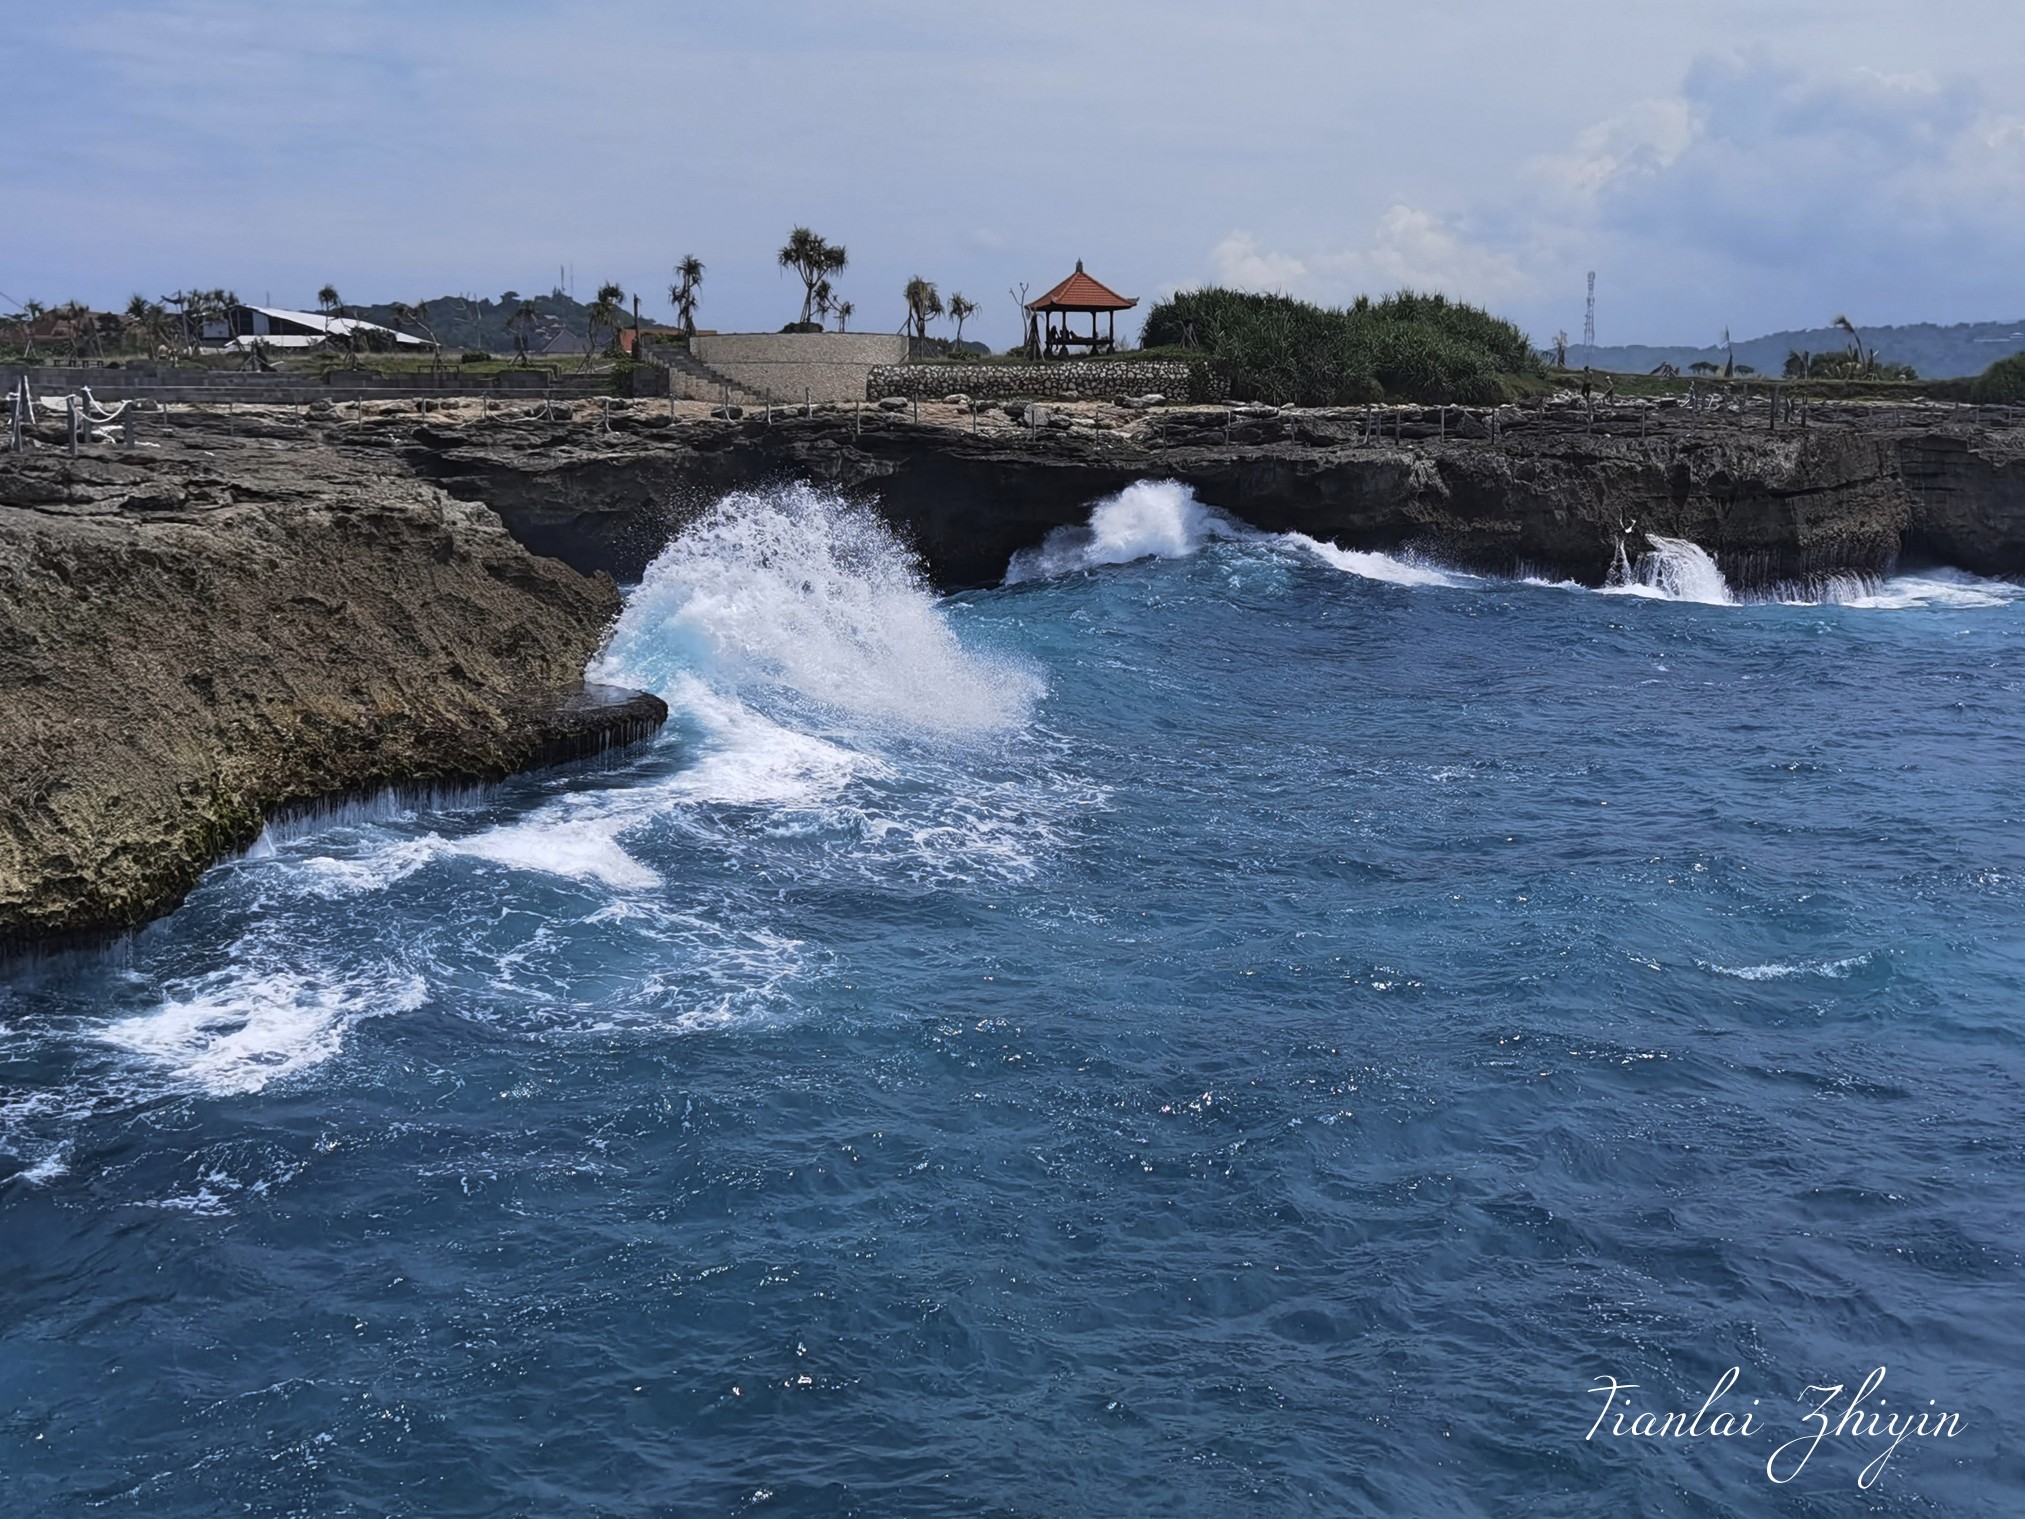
(193, 637)
(1551, 493)
(235, 612)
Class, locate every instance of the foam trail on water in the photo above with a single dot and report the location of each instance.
(237, 1029)
(1149, 519)
(1946, 589)
(1390, 569)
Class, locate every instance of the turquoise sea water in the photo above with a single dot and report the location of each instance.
(1218, 1025)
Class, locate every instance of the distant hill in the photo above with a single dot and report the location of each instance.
(481, 323)
(1937, 353)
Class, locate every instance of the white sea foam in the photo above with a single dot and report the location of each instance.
(54, 1163)
(1946, 589)
(238, 1029)
(1390, 569)
(1835, 970)
(1149, 519)
(801, 591)
(1674, 569)
(583, 848)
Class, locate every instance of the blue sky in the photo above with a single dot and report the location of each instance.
(1755, 166)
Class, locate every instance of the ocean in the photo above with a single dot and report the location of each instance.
(1215, 1025)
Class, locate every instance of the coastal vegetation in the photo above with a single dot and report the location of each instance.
(1407, 346)
(682, 295)
(2003, 381)
(814, 259)
(924, 304)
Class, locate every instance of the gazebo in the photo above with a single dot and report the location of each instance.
(1076, 295)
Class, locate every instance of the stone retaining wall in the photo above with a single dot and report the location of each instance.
(788, 366)
(1065, 381)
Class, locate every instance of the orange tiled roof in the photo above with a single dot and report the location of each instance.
(1081, 293)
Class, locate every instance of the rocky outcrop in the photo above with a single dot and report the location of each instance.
(194, 638)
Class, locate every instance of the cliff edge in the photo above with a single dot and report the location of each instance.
(191, 641)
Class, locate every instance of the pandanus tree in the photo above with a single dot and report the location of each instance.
(181, 300)
(683, 293)
(332, 305)
(148, 325)
(961, 310)
(924, 304)
(605, 315)
(845, 311)
(416, 316)
(813, 258)
(216, 306)
(522, 324)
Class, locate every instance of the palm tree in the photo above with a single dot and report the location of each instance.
(137, 317)
(331, 304)
(960, 311)
(1864, 363)
(217, 306)
(812, 258)
(845, 311)
(924, 304)
(521, 324)
(604, 316)
(71, 314)
(689, 278)
(417, 316)
(159, 330)
(181, 301)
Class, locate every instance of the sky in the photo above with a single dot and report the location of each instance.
(1755, 166)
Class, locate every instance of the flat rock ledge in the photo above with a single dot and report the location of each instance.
(187, 651)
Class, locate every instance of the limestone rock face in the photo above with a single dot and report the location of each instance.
(191, 640)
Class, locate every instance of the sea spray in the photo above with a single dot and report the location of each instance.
(795, 591)
(1674, 569)
(1150, 519)
(1162, 519)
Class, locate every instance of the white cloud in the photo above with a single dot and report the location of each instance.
(1240, 263)
(1409, 247)
(1647, 139)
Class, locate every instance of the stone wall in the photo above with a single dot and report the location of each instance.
(788, 366)
(1068, 380)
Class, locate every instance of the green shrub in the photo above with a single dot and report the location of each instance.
(2002, 381)
(474, 356)
(1276, 349)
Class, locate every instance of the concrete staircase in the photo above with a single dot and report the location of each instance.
(693, 380)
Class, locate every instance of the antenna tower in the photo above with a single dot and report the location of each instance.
(1589, 315)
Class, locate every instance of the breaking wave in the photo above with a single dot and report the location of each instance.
(1150, 519)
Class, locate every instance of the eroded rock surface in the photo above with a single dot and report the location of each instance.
(192, 638)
